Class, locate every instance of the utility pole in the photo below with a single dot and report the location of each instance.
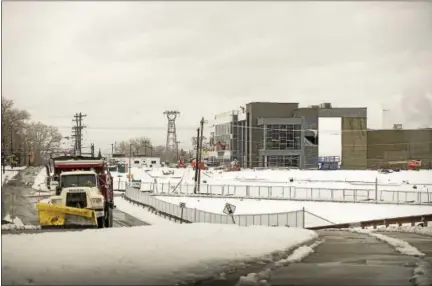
(77, 132)
(112, 149)
(200, 151)
(92, 150)
(196, 161)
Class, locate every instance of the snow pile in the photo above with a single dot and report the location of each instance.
(299, 254)
(422, 275)
(13, 220)
(139, 212)
(40, 181)
(157, 254)
(400, 245)
(9, 174)
(412, 229)
(262, 278)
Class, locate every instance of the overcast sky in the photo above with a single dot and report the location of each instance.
(124, 63)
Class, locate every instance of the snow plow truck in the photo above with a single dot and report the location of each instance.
(81, 194)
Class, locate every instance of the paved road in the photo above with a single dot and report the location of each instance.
(346, 258)
(19, 199)
(421, 242)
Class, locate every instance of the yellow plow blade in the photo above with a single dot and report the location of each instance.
(56, 216)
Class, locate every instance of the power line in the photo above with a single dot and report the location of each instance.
(77, 132)
(191, 128)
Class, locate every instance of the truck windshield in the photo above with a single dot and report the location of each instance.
(78, 181)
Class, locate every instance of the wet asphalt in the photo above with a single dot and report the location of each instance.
(346, 258)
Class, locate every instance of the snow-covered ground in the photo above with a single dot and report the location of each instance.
(333, 212)
(341, 185)
(157, 254)
(340, 179)
(10, 173)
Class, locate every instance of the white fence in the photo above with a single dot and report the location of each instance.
(372, 195)
(292, 219)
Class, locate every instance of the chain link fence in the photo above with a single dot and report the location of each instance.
(351, 195)
(291, 219)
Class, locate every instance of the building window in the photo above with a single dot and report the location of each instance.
(283, 137)
(223, 134)
(283, 161)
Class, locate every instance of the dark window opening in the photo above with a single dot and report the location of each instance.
(312, 139)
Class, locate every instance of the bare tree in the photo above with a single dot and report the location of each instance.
(12, 124)
(43, 140)
(138, 146)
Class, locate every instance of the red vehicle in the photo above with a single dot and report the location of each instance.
(181, 164)
(201, 165)
(414, 165)
(85, 183)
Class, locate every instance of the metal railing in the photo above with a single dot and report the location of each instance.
(349, 195)
(292, 219)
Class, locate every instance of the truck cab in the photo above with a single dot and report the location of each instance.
(79, 189)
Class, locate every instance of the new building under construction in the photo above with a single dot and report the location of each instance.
(395, 148)
(267, 134)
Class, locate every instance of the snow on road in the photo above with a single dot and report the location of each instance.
(400, 245)
(157, 254)
(261, 278)
(412, 229)
(422, 274)
(139, 212)
(334, 212)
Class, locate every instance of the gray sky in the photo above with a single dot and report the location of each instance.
(124, 63)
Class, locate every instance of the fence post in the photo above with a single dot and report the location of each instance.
(195, 220)
(376, 190)
(304, 218)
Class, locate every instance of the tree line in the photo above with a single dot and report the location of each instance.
(143, 146)
(23, 140)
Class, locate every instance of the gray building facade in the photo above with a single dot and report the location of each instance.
(268, 134)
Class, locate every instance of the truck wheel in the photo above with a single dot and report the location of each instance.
(100, 222)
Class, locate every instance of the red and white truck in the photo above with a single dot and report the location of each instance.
(82, 183)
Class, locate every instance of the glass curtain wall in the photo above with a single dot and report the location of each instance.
(283, 161)
(223, 134)
(283, 137)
